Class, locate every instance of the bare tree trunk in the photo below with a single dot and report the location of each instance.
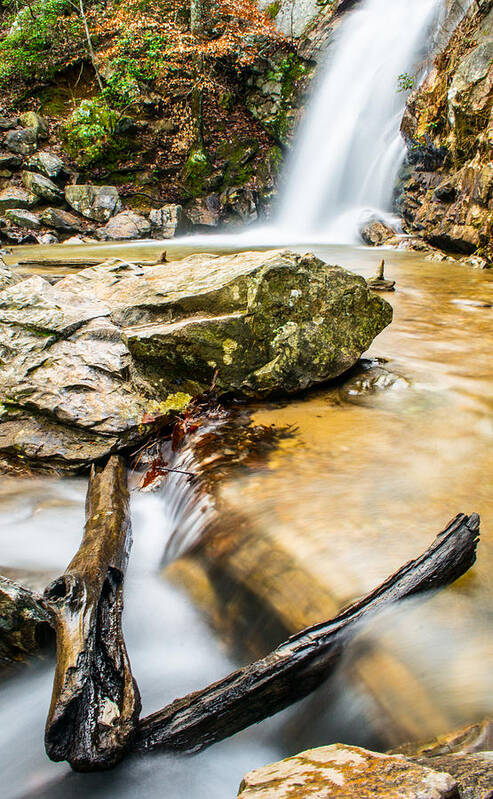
(95, 703)
(89, 45)
(305, 660)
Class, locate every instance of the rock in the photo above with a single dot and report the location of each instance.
(7, 123)
(41, 186)
(12, 197)
(238, 207)
(94, 202)
(268, 322)
(125, 225)
(9, 161)
(21, 142)
(169, 221)
(205, 212)
(62, 356)
(24, 626)
(48, 164)
(472, 772)
(371, 380)
(35, 122)
(476, 261)
(48, 238)
(476, 737)
(81, 356)
(346, 772)
(374, 232)
(7, 277)
(60, 220)
(23, 218)
(470, 91)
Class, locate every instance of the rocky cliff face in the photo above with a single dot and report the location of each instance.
(448, 125)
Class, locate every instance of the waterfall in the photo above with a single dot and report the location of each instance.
(348, 152)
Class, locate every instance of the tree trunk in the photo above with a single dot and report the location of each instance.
(95, 703)
(305, 660)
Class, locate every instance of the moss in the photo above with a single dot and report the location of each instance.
(197, 172)
(237, 155)
(273, 9)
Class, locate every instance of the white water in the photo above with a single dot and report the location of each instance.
(349, 148)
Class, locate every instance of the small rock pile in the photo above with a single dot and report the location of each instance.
(40, 203)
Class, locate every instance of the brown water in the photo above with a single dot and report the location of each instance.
(364, 484)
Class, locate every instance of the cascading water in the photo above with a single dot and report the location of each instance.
(349, 148)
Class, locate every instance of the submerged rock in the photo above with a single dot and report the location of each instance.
(346, 772)
(24, 624)
(94, 202)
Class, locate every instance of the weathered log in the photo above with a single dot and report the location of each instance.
(305, 660)
(24, 621)
(95, 703)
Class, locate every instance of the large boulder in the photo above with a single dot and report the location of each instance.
(346, 772)
(265, 321)
(376, 232)
(94, 202)
(41, 186)
(85, 354)
(125, 225)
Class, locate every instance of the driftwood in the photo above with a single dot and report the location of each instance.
(95, 703)
(303, 662)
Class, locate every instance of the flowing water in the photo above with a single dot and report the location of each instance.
(349, 150)
(363, 485)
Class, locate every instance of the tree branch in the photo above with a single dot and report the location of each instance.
(305, 660)
(95, 703)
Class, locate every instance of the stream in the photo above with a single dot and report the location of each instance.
(364, 484)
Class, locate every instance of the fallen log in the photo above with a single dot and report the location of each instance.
(95, 703)
(305, 660)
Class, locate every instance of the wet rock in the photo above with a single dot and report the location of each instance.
(238, 207)
(476, 261)
(48, 164)
(7, 276)
(24, 624)
(9, 161)
(13, 197)
(346, 772)
(23, 218)
(41, 186)
(36, 123)
(268, 322)
(60, 220)
(169, 221)
(375, 232)
(205, 212)
(371, 380)
(125, 225)
(21, 142)
(94, 202)
(472, 772)
(476, 737)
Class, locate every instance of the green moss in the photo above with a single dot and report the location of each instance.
(273, 9)
(197, 172)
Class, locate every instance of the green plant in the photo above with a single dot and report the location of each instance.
(406, 82)
(90, 131)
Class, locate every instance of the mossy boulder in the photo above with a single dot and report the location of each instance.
(41, 186)
(266, 322)
(94, 202)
